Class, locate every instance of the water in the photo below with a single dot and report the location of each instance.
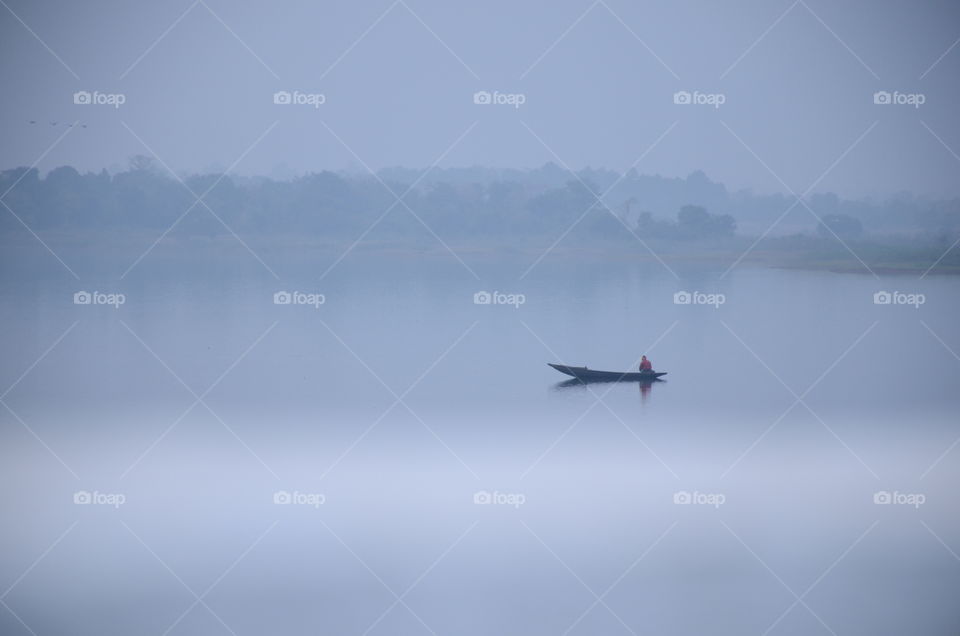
(384, 412)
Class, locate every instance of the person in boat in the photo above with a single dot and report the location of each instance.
(645, 365)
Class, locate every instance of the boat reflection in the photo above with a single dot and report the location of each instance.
(576, 383)
(579, 383)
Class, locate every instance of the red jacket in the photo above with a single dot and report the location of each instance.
(645, 365)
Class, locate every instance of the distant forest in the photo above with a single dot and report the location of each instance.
(465, 205)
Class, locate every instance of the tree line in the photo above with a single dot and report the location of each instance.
(456, 203)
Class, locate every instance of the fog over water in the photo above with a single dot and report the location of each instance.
(584, 489)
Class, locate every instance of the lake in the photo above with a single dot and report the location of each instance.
(389, 453)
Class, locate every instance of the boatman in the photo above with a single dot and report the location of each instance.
(645, 364)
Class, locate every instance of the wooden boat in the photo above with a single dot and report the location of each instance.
(591, 375)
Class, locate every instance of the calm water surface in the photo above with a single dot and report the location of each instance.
(385, 413)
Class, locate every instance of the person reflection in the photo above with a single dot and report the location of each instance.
(645, 391)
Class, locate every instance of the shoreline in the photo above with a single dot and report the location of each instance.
(103, 245)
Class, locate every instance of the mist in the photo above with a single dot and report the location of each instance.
(422, 318)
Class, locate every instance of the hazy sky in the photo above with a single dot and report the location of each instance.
(398, 79)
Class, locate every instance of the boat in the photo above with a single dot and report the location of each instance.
(591, 375)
